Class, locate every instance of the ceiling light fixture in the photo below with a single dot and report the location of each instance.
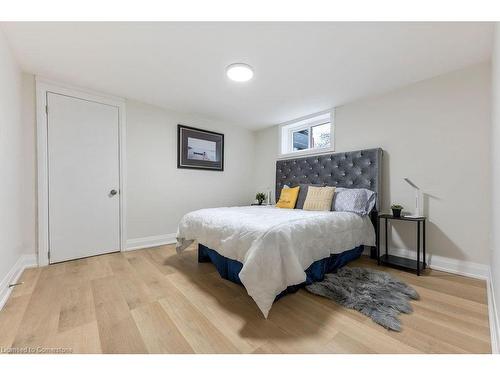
(239, 72)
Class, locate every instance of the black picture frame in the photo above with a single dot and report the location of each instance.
(184, 134)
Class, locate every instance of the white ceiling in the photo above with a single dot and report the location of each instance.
(300, 68)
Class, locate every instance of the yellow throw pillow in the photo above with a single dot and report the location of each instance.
(319, 198)
(288, 197)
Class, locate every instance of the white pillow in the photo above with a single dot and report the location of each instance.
(359, 201)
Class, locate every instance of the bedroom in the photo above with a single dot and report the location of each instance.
(249, 187)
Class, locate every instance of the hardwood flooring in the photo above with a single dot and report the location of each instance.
(154, 301)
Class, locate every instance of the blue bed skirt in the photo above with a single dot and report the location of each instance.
(229, 269)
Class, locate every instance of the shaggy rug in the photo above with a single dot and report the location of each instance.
(373, 293)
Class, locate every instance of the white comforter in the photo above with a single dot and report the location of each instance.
(274, 245)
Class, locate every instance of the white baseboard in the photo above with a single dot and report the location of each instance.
(459, 267)
(144, 242)
(455, 266)
(493, 316)
(24, 261)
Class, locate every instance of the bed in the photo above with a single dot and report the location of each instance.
(274, 251)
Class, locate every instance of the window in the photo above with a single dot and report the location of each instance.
(309, 135)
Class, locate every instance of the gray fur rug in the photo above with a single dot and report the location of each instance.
(373, 293)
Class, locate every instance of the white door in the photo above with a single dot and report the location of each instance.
(83, 183)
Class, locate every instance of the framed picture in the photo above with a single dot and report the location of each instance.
(199, 149)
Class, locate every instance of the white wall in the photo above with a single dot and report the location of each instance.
(436, 132)
(495, 175)
(158, 193)
(29, 171)
(17, 148)
(266, 151)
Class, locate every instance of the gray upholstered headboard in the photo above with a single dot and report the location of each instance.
(354, 169)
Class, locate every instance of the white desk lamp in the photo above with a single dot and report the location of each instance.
(417, 198)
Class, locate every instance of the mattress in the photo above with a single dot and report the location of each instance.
(275, 246)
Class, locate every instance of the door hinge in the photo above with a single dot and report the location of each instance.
(49, 255)
(47, 109)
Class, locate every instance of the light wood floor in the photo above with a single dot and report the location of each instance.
(153, 301)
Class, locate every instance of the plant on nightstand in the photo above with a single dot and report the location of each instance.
(261, 197)
(396, 210)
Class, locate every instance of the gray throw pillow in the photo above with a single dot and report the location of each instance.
(359, 201)
(303, 194)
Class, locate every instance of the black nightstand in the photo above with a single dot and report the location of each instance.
(400, 262)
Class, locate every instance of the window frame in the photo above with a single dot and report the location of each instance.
(305, 123)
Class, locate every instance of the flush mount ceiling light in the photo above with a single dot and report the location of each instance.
(239, 72)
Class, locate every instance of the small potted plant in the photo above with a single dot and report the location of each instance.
(261, 197)
(396, 210)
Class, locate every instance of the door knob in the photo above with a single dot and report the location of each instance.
(113, 192)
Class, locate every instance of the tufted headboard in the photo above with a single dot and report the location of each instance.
(354, 169)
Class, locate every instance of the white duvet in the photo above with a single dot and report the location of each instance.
(274, 245)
